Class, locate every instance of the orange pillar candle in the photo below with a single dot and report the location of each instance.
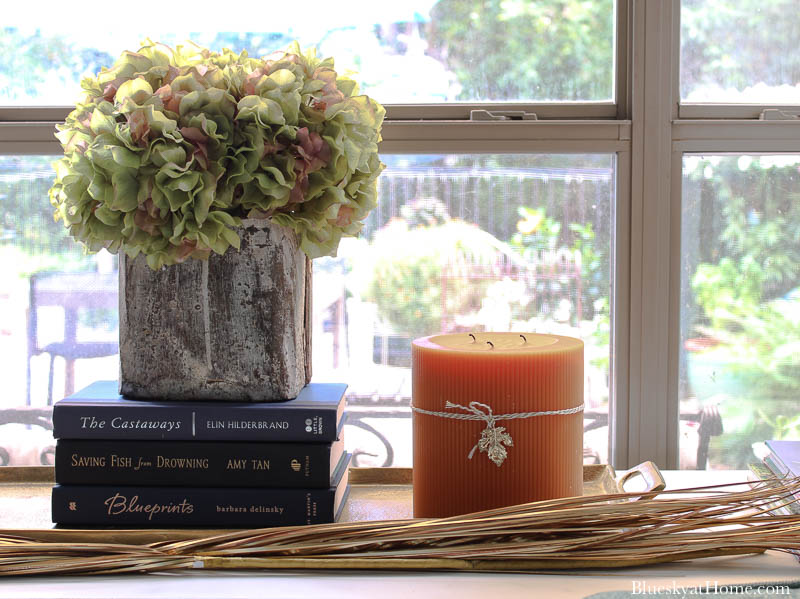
(485, 434)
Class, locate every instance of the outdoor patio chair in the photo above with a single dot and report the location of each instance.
(72, 292)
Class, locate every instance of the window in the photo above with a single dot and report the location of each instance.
(740, 298)
(720, 64)
(607, 216)
(462, 243)
(423, 51)
(737, 178)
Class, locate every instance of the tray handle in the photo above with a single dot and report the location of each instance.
(650, 474)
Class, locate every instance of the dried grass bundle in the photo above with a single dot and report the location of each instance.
(602, 531)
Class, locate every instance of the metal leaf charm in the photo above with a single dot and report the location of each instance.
(491, 442)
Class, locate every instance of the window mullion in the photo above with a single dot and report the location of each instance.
(28, 138)
(736, 136)
(651, 410)
(394, 112)
(505, 136)
(16, 114)
(461, 111)
(623, 72)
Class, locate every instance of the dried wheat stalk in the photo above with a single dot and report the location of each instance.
(605, 531)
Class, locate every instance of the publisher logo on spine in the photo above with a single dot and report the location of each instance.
(295, 465)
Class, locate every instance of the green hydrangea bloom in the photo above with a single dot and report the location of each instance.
(170, 148)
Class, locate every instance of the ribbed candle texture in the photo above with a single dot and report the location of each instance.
(511, 373)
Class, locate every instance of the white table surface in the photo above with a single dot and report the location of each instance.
(769, 567)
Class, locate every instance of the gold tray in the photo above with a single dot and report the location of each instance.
(376, 494)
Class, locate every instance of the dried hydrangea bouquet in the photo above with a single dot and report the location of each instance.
(176, 155)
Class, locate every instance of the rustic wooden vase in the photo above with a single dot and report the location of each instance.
(236, 327)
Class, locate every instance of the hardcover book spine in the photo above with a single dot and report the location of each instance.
(173, 422)
(177, 507)
(776, 465)
(188, 463)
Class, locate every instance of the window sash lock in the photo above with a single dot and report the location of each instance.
(501, 115)
(775, 114)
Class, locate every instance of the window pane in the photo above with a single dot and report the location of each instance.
(465, 243)
(403, 52)
(740, 305)
(458, 243)
(57, 307)
(740, 51)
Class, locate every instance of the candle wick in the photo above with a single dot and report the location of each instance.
(473, 337)
(490, 343)
(524, 340)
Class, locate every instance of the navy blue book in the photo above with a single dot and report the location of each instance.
(100, 412)
(197, 463)
(175, 507)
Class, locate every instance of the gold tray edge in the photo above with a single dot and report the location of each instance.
(358, 476)
(598, 479)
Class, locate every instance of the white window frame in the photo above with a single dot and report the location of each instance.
(648, 130)
(664, 130)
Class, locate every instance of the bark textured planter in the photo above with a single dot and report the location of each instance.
(236, 327)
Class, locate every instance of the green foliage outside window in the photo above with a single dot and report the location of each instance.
(30, 239)
(521, 49)
(724, 43)
(419, 271)
(746, 293)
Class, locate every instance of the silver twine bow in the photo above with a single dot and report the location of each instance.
(493, 437)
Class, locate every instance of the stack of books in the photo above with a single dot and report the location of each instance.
(781, 461)
(783, 458)
(165, 464)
